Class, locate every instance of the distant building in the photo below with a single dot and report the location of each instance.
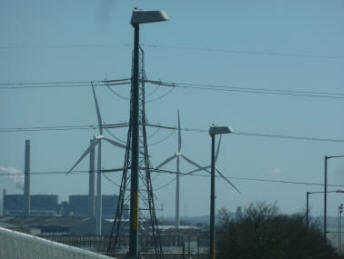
(48, 205)
(78, 205)
(41, 205)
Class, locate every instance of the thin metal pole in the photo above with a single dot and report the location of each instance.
(91, 200)
(212, 201)
(27, 179)
(134, 203)
(307, 207)
(99, 192)
(177, 192)
(325, 197)
(338, 227)
(340, 231)
(189, 246)
(178, 174)
(340, 211)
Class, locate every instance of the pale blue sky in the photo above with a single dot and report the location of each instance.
(59, 41)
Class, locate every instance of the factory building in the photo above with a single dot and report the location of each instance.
(78, 205)
(41, 205)
(48, 205)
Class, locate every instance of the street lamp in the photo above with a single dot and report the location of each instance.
(340, 211)
(325, 191)
(138, 17)
(213, 131)
(307, 201)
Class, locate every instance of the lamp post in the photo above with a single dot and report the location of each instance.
(213, 131)
(307, 201)
(340, 211)
(325, 191)
(138, 17)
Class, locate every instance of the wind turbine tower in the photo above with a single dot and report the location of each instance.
(90, 150)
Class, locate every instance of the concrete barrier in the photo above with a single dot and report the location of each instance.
(16, 245)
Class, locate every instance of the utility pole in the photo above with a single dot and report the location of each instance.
(307, 208)
(325, 191)
(178, 176)
(137, 119)
(325, 196)
(212, 200)
(27, 198)
(134, 196)
(340, 211)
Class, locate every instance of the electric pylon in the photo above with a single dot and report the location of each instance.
(146, 195)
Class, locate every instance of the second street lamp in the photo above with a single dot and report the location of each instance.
(307, 201)
(214, 130)
(340, 211)
(325, 191)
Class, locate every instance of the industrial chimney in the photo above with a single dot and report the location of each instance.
(27, 179)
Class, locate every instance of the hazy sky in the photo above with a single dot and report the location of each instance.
(269, 44)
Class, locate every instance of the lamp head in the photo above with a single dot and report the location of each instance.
(140, 16)
(217, 130)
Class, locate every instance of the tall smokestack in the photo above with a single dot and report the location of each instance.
(91, 182)
(27, 179)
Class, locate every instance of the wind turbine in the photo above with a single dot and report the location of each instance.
(179, 155)
(97, 141)
(206, 168)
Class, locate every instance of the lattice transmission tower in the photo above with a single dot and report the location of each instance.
(146, 197)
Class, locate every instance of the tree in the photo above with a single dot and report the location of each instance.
(263, 233)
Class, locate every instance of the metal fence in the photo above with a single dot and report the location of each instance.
(174, 245)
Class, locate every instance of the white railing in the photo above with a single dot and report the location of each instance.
(16, 245)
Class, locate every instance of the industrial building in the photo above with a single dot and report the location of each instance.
(78, 205)
(48, 205)
(41, 205)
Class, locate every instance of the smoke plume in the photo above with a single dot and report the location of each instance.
(15, 175)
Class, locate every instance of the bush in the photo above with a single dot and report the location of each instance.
(262, 233)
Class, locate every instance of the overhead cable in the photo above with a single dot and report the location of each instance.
(174, 128)
(178, 47)
(161, 171)
(251, 90)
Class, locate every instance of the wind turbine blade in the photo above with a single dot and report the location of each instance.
(227, 180)
(100, 124)
(115, 143)
(198, 170)
(118, 144)
(201, 168)
(179, 135)
(218, 148)
(88, 150)
(166, 161)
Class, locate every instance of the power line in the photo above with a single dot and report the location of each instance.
(173, 85)
(60, 84)
(174, 128)
(179, 47)
(266, 180)
(254, 134)
(62, 46)
(251, 179)
(250, 90)
(48, 128)
(165, 185)
(246, 52)
(62, 127)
